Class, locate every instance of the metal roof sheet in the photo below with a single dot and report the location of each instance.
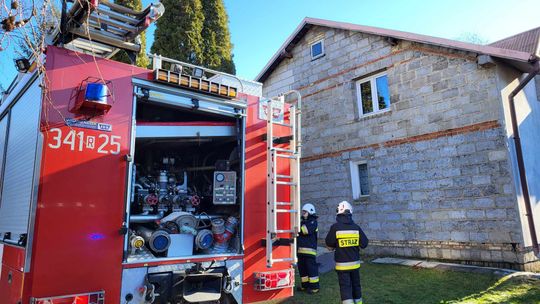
(523, 42)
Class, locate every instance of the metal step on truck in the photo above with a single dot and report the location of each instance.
(118, 184)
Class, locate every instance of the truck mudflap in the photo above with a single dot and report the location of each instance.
(213, 282)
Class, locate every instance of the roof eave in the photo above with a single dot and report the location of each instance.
(505, 54)
(279, 52)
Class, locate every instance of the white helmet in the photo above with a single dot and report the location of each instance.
(309, 208)
(343, 206)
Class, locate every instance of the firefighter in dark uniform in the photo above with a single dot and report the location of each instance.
(346, 238)
(307, 250)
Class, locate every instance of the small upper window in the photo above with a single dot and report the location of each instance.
(373, 94)
(317, 49)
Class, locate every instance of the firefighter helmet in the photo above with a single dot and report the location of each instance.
(309, 208)
(343, 207)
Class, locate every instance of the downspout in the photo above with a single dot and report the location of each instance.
(519, 154)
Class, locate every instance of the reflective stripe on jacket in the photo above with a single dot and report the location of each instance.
(348, 265)
(304, 250)
(347, 238)
(307, 236)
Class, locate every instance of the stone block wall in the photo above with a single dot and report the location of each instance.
(432, 89)
(439, 175)
(449, 197)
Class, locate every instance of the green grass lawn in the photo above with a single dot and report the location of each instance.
(400, 284)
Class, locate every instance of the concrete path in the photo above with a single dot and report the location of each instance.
(454, 267)
(325, 259)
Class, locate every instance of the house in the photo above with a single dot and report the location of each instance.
(417, 132)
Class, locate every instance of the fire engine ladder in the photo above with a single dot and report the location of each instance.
(277, 183)
(102, 28)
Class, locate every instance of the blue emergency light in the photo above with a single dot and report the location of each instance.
(92, 98)
(96, 92)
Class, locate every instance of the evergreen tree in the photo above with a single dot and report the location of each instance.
(142, 60)
(217, 39)
(178, 31)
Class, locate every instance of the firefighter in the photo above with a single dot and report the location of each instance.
(346, 238)
(307, 250)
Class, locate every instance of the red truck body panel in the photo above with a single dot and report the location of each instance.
(255, 207)
(77, 244)
(11, 276)
(81, 202)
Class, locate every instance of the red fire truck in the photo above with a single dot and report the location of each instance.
(176, 184)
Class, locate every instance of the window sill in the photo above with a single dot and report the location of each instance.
(374, 114)
(362, 198)
(318, 57)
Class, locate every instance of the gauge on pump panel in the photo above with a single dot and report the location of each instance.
(220, 177)
(224, 188)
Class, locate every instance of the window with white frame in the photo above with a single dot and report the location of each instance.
(317, 49)
(372, 94)
(359, 179)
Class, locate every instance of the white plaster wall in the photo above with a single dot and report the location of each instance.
(528, 116)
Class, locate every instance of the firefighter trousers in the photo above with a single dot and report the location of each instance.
(349, 286)
(309, 271)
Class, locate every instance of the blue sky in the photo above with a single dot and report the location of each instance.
(259, 27)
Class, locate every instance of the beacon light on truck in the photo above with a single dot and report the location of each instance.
(195, 83)
(92, 96)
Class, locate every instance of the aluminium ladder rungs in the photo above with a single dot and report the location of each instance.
(112, 30)
(284, 260)
(286, 156)
(288, 184)
(125, 10)
(282, 124)
(106, 39)
(283, 204)
(102, 27)
(283, 150)
(117, 16)
(286, 210)
(118, 24)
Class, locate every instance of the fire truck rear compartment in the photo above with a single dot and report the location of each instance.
(193, 284)
(185, 185)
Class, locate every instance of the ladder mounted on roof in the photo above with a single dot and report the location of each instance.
(102, 28)
(276, 183)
